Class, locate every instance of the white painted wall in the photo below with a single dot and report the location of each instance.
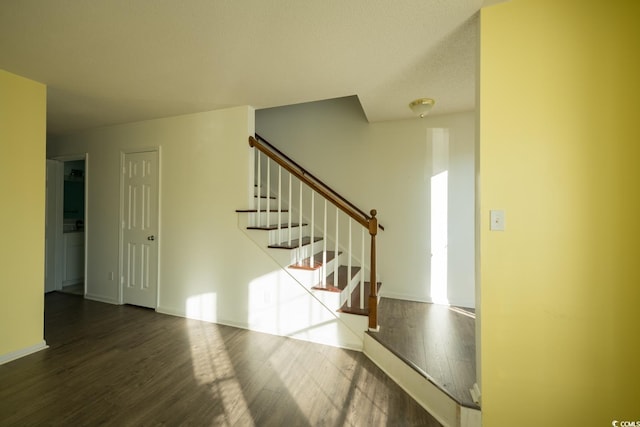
(387, 166)
(209, 269)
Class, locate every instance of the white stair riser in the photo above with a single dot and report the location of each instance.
(307, 278)
(355, 322)
(329, 299)
(287, 257)
(261, 217)
(251, 220)
(266, 203)
(281, 236)
(272, 236)
(297, 254)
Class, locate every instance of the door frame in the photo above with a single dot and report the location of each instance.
(123, 154)
(53, 225)
(58, 222)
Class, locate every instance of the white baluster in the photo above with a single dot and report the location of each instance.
(324, 247)
(300, 227)
(279, 202)
(349, 267)
(313, 219)
(290, 211)
(258, 190)
(362, 273)
(335, 265)
(268, 192)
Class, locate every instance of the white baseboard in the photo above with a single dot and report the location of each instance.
(469, 303)
(394, 295)
(8, 357)
(100, 298)
(179, 313)
(170, 311)
(463, 302)
(239, 325)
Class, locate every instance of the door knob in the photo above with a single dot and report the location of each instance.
(151, 238)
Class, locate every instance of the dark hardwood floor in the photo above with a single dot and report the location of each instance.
(77, 289)
(124, 365)
(436, 340)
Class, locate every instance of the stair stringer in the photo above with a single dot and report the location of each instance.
(276, 307)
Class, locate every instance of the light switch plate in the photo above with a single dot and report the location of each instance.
(497, 220)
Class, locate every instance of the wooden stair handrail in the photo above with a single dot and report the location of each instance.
(370, 222)
(305, 176)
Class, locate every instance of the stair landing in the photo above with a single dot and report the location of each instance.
(437, 341)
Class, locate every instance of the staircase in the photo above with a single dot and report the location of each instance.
(325, 273)
(317, 236)
(319, 240)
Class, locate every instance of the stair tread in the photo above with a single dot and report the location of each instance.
(274, 226)
(294, 243)
(265, 197)
(306, 264)
(331, 285)
(355, 300)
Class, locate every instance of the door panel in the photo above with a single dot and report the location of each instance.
(140, 229)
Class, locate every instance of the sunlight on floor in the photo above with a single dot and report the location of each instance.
(278, 304)
(314, 383)
(337, 383)
(212, 368)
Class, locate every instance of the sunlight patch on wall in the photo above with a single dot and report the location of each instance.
(202, 307)
(281, 308)
(439, 228)
(279, 305)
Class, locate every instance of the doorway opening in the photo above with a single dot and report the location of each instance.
(66, 201)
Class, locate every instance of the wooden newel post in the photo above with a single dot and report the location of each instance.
(373, 294)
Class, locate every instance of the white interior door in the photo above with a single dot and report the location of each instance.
(139, 244)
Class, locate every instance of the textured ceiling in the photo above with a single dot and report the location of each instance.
(117, 61)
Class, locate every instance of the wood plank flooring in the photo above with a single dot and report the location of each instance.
(124, 365)
(77, 289)
(436, 340)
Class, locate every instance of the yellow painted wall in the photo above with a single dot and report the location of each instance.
(22, 195)
(560, 153)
